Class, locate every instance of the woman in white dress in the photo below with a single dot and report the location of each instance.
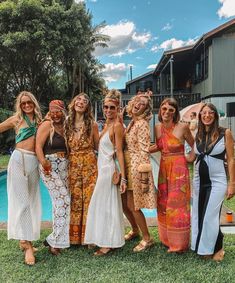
(210, 185)
(105, 225)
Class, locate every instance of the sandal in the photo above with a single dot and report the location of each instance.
(28, 252)
(22, 248)
(53, 251)
(101, 252)
(219, 256)
(144, 245)
(131, 235)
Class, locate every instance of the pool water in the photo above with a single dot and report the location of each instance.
(45, 199)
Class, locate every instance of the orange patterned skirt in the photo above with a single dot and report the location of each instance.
(82, 179)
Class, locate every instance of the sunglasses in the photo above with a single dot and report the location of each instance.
(112, 107)
(55, 113)
(203, 113)
(171, 110)
(24, 103)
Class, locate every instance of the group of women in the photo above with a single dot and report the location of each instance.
(88, 205)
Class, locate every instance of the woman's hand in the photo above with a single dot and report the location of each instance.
(230, 191)
(123, 187)
(46, 165)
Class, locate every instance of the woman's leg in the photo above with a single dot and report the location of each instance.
(129, 215)
(138, 216)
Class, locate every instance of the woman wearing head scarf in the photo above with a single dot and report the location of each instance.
(173, 196)
(82, 139)
(24, 207)
(105, 225)
(51, 152)
(140, 188)
(212, 145)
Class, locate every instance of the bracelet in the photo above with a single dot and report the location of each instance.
(144, 182)
(123, 180)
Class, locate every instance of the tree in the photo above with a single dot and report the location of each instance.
(47, 47)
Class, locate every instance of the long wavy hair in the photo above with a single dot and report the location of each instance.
(147, 114)
(88, 117)
(19, 112)
(172, 102)
(214, 129)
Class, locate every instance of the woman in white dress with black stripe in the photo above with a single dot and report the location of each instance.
(105, 225)
(210, 185)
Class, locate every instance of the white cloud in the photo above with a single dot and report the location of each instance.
(227, 10)
(123, 39)
(172, 44)
(114, 72)
(167, 27)
(78, 1)
(153, 66)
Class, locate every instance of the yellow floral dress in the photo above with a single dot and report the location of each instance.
(82, 179)
(137, 140)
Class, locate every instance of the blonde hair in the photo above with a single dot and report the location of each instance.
(113, 95)
(88, 117)
(147, 115)
(19, 112)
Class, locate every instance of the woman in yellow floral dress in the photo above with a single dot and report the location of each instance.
(140, 188)
(82, 139)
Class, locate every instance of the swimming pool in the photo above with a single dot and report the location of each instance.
(45, 198)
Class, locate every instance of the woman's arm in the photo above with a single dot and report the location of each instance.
(229, 145)
(43, 133)
(154, 148)
(118, 137)
(188, 135)
(8, 124)
(95, 136)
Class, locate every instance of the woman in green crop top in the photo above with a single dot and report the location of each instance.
(24, 208)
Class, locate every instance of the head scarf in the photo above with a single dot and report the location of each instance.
(57, 104)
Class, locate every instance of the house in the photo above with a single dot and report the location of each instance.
(204, 71)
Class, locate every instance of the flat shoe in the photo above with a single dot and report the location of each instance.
(143, 245)
(131, 235)
(28, 252)
(219, 256)
(100, 252)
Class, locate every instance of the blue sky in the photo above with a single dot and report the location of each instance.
(141, 30)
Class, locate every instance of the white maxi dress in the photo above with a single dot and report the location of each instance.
(105, 223)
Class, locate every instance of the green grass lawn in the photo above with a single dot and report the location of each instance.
(4, 161)
(78, 264)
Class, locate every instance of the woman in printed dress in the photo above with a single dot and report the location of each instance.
(51, 152)
(173, 196)
(140, 188)
(82, 139)
(213, 144)
(24, 205)
(105, 225)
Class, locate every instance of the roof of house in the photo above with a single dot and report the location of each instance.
(207, 36)
(140, 77)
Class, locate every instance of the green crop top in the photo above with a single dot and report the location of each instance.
(25, 133)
